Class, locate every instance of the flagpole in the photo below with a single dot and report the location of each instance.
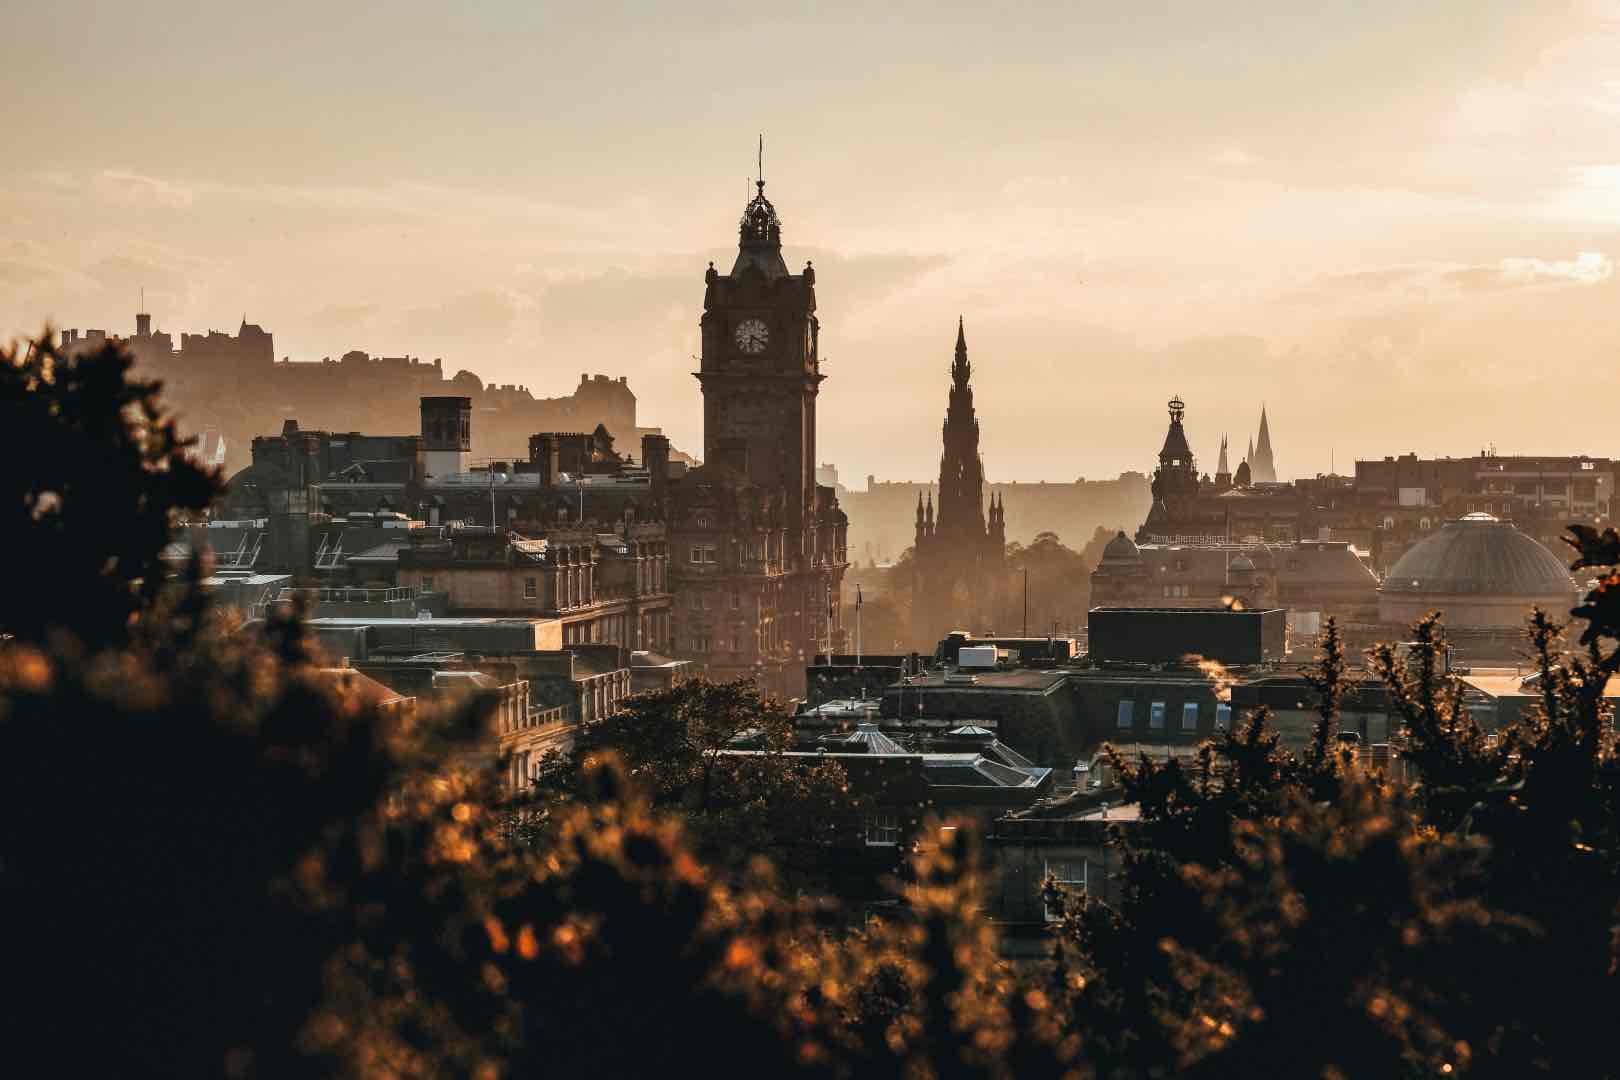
(858, 629)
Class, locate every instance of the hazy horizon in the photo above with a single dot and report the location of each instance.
(1390, 226)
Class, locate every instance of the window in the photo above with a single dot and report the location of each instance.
(1189, 716)
(697, 553)
(697, 602)
(531, 588)
(1156, 716)
(883, 830)
(427, 584)
(1127, 714)
(1223, 716)
(736, 602)
(1063, 876)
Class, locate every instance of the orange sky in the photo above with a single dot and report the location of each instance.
(1397, 229)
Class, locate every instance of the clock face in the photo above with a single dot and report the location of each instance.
(751, 336)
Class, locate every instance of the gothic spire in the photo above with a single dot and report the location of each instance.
(1221, 467)
(961, 370)
(961, 471)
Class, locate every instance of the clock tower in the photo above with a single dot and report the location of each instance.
(760, 370)
(761, 550)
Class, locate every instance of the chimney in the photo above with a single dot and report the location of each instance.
(655, 456)
(574, 452)
(543, 454)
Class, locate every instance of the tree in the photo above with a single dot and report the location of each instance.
(1059, 584)
(97, 477)
(675, 745)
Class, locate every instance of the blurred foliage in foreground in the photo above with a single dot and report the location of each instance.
(216, 857)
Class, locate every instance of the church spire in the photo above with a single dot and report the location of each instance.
(1263, 462)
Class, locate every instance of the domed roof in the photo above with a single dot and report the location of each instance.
(1242, 564)
(1479, 554)
(1121, 548)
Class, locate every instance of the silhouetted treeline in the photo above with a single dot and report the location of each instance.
(218, 857)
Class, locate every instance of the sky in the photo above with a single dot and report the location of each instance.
(1395, 225)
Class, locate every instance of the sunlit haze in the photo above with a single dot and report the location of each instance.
(1362, 215)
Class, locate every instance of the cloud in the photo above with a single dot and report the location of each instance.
(1586, 268)
(1438, 281)
(133, 189)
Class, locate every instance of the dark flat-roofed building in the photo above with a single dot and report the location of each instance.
(1166, 635)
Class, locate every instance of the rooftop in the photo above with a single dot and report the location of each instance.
(1032, 680)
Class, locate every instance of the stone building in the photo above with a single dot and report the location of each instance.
(1404, 498)
(609, 587)
(233, 384)
(759, 548)
(959, 564)
(1485, 577)
(1188, 508)
(1206, 543)
(1311, 578)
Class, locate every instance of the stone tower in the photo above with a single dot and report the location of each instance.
(760, 369)
(961, 469)
(960, 550)
(760, 549)
(1175, 481)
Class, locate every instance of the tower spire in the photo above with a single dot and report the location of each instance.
(1264, 463)
(961, 370)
